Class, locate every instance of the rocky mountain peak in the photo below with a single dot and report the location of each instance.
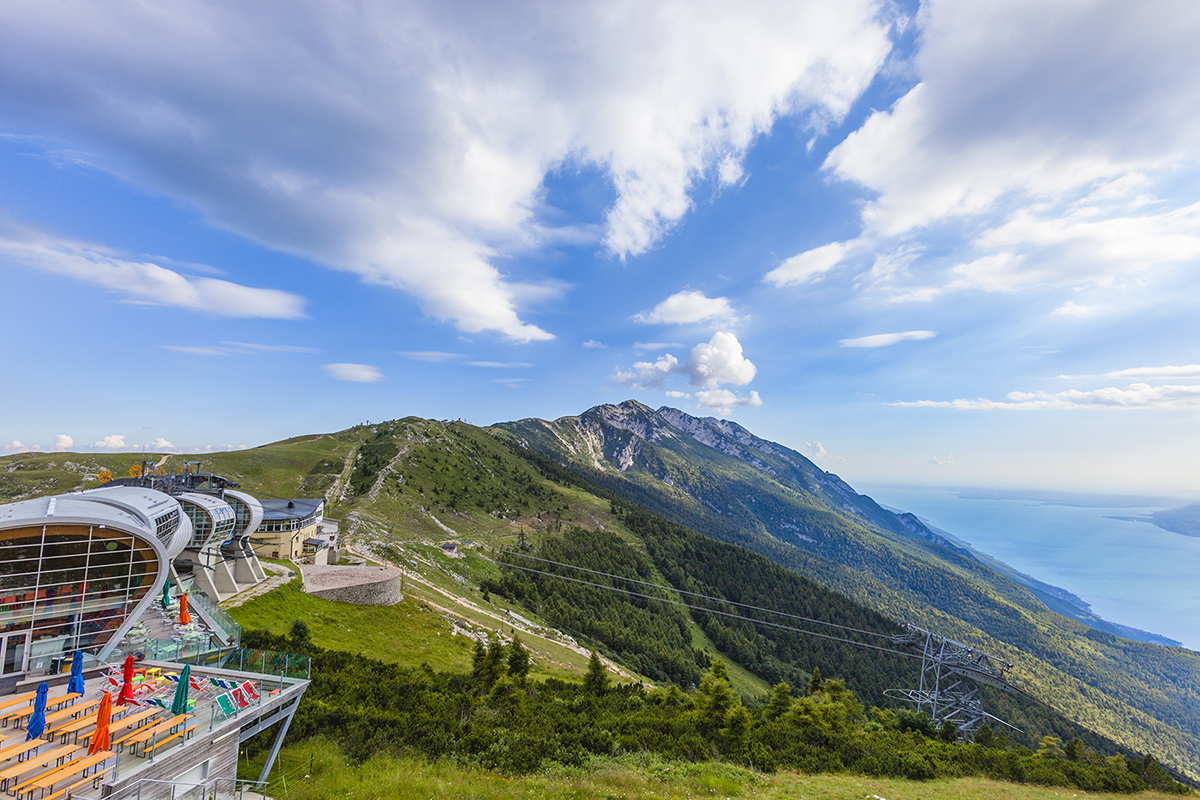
(637, 418)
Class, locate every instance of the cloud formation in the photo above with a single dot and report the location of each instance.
(709, 365)
(886, 339)
(456, 112)
(63, 442)
(356, 373)
(718, 361)
(113, 443)
(687, 307)
(1189, 371)
(143, 282)
(1134, 396)
(1053, 151)
(808, 266)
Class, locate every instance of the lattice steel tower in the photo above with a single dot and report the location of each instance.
(951, 676)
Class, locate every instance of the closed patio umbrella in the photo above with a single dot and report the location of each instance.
(166, 598)
(76, 684)
(180, 704)
(103, 716)
(184, 616)
(37, 723)
(126, 695)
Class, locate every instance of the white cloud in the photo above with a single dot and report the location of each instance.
(433, 356)
(710, 364)
(113, 443)
(1073, 309)
(1042, 146)
(194, 350)
(500, 364)
(456, 114)
(689, 306)
(1137, 395)
(160, 444)
(645, 347)
(815, 450)
(272, 348)
(946, 461)
(1189, 371)
(886, 339)
(143, 282)
(592, 344)
(808, 266)
(649, 374)
(63, 442)
(724, 401)
(677, 395)
(358, 373)
(17, 447)
(718, 361)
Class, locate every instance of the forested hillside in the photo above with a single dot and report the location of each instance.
(629, 503)
(720, 480)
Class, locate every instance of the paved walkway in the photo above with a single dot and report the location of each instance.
(282, 575)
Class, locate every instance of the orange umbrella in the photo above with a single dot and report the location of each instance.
(184, 616)
(126, 694)
(100, 738)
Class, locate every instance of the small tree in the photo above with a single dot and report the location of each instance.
(299, 635)
(596, 680)
(518, 661)
(814, 683)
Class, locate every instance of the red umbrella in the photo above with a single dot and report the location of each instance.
(100, 738)
(126, 695)
(184, 616)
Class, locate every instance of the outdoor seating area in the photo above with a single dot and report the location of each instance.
(64, 741)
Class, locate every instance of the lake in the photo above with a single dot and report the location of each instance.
(1132, 573)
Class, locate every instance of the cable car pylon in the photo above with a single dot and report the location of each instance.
(951, 676)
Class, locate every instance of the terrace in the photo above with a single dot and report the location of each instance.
(152, 752)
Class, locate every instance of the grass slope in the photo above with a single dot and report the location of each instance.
(316, 769)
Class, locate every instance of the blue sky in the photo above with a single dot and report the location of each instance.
(953, 244)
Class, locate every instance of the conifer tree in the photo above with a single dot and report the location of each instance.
(596, 680)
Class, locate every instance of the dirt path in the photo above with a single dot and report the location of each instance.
(504, 621)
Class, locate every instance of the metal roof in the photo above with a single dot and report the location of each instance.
(279, 510)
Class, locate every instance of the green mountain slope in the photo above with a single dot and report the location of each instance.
(401, 486)
(717, 478)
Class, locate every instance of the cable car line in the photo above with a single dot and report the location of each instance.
(695, 594)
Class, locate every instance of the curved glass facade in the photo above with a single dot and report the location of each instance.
(69, 586)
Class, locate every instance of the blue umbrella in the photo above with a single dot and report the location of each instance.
(37, 723)
(76, 684)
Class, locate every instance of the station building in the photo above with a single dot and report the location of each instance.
(286, 525)
(81, 571)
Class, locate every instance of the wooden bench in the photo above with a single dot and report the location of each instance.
(69, 729)
(66, 790)
(155, 743)
(39, 762)
(46, 780)
(142, 726)
(145, 734)
(21, 750)
(69, 713)
(12, 701)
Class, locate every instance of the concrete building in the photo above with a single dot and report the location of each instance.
(285, 525)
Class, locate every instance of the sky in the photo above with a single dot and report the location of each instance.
(936, 244)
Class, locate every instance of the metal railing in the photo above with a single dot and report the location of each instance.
(219, 616)
(214, 789)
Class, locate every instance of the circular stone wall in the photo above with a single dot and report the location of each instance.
(364, 586)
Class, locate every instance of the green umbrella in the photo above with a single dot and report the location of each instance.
(166, 601)
(179, 705)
